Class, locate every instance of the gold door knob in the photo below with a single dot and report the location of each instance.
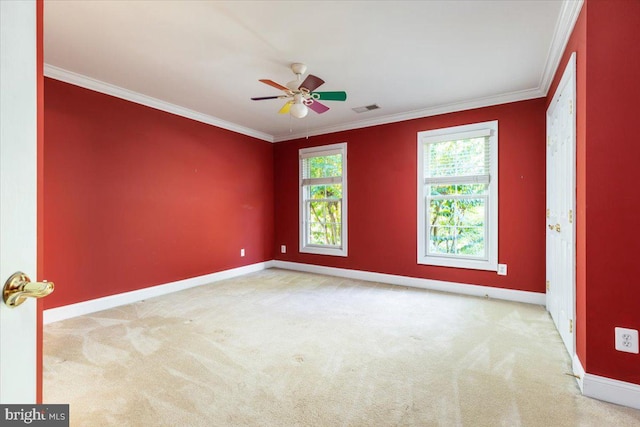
(558, 228)
(19, 287)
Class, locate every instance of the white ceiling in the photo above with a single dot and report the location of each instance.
(203, 59)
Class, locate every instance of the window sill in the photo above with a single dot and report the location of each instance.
(459, 263)
(324, 251)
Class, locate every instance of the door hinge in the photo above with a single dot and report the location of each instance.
(570, 326)
(548, 285)
(571, 106)
(548, 140)
(570, 216)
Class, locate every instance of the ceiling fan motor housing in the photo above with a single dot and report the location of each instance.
(298, 68)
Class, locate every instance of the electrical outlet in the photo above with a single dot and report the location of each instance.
(283, 249)
(502, 269)
(627, 340)
(241, 252)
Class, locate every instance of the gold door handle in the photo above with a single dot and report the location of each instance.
(19, 287)
(558, 228)
(550, 227)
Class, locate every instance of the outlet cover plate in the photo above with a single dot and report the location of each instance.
(627, 340)
(502, 269)
(283, 249)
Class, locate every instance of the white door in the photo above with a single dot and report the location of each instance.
(561, 188)
(18, 195)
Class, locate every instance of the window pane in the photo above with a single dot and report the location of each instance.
(457, 226)
(470, 241)
(324, 219)
(446, 190)
(442, 212)
(472, 189)
(333, 191)
(441, 240)
(323, 166)
(457, 158)
(317, 192)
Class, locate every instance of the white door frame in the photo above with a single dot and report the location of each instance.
(18, 195)
(561, 202)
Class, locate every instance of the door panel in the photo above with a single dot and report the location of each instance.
(560, 240)
(18, 195)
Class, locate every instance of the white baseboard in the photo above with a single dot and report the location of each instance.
(73, 310)
(579, 372)
(435, 285)
(607, 389)
(68, 311)
(610, 390)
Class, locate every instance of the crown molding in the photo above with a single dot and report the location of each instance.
(66, 76)
(564, 26)
(418, 114)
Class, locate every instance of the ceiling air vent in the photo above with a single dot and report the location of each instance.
(366, 108)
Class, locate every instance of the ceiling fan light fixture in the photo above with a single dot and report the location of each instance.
(299, 110)
(300, 93)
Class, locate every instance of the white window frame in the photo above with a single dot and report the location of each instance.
(325, 150)
(491, 225)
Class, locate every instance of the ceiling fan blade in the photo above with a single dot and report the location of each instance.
(311, 83)
(285, 108)
(318, 107)
(330, 96)
(260, 98)
(274, 84)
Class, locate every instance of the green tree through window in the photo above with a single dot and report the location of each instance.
(457, 212)
(458, 196)
(322, 198)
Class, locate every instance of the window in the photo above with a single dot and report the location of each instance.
(323, 200)
(458, 196)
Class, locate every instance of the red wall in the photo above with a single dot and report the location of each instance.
(606, 40)
(136, 197)
(382, 201)
(613, 204)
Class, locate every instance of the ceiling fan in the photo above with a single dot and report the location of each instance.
(301, 96)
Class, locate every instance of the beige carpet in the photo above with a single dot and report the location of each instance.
(279, 348)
